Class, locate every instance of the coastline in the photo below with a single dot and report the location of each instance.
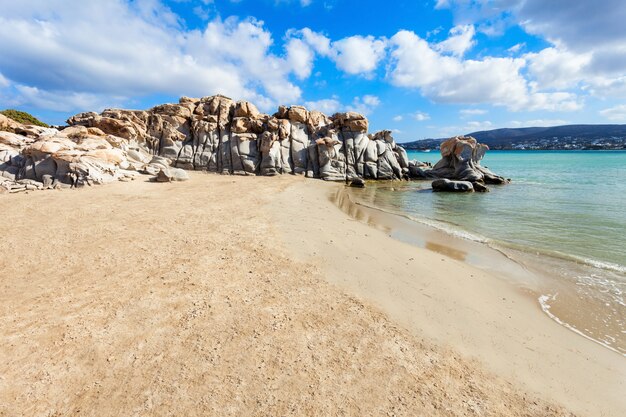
(481, 313)
(251, 295)
(533, 272)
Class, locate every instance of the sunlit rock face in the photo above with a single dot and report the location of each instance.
(460, 161)
(220, 135)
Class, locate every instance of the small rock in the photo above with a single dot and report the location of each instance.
(47, 181)
(163, 176)
(480, 187)
(357, 183)
(172, 174)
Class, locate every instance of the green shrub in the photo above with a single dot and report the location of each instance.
(23, 117)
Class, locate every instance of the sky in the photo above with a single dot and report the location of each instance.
(423, 69)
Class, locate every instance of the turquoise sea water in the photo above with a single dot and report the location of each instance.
(564, 209)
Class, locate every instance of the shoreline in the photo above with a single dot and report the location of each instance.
(250, 295)
(475, 311)
(529, 272)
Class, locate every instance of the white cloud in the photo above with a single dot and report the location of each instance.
(557, 68)
(557, 102)
(480, 125)
(421, 116)
(581, 26)
(358, 54)
(319, 42)
(449, 79)
(303, 3)
(65, 101)
(461, 39)
(3, 81)
(328, 106)
(116, 48)
(472, 112)
(615, 114)
(588, 41)
(398, 118)
(470, 127)
(599, 73)
(300, 57)
(516, 48)
(608, 87)
(364, 105)
(361, 104)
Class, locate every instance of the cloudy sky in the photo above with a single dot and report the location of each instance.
(428, 68)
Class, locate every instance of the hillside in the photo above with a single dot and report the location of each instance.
(557, 137)
(23, 117)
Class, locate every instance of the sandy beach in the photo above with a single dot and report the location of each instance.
(259, 296)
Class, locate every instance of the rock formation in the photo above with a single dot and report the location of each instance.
(33, 157)
(460, 160)
(220, 135)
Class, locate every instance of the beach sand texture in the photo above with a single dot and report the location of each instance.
(224, 296)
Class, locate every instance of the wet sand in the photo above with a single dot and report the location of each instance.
(257, 296)
(583, 297)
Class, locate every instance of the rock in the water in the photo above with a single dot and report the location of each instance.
(452, 186)
(460, 160)
(480, 187)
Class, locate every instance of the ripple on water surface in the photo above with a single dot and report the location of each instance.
(562, 216)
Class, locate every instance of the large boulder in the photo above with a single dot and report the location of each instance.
(299, 147)
(460, 160)
(271, 160)
(452, 186)
(246, 109)
(7, 124)
(331, 158)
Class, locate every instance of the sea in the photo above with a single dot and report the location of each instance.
(562, 218)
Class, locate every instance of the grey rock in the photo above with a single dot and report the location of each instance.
(171, 175)
(452, 186)
(460, 160)
(480, 187)
(47, 181)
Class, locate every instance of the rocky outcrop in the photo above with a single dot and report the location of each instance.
(219, 135)
(41, 158)
(460, 160)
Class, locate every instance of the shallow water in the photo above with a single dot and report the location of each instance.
(563, 217)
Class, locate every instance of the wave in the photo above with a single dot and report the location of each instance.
(456, 230)
(595, 263)
(449, 228)
(545, 306)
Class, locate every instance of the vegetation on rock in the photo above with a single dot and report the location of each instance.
(23, 117)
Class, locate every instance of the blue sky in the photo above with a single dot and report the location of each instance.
(420, 68)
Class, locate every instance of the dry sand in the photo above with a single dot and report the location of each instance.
(226, 296)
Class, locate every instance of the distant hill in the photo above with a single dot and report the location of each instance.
(557, 137)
